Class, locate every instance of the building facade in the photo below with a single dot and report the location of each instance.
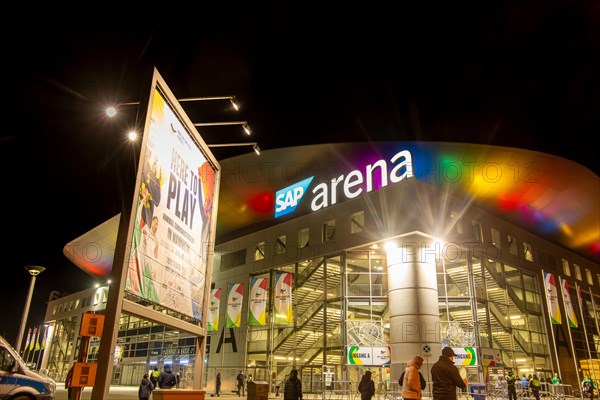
(334, 259)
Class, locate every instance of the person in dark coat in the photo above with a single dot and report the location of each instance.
(366, 386)
(511, 385)
(218, 384)
(146, 388)
(292, 390)
(445, 377)
(167, 379)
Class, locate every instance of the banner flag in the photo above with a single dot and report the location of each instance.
(33, 339)
(283, 298)
(28, 340)
(552, 297)
(257, 307)
(213, 310)
(39, 338)
(571, 317)
(234, 305)
(45, 337)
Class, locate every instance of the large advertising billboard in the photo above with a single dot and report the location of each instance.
(173, 221)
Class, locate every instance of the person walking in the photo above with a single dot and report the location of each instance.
(525, 386)
(535, 385)
(240, 384)
(167, 379)
(511, 386)
(69, 382)
(218, 384)
(154, 376)
(445, 376)
(292, 390)
(145, 389)
(556, 379)
(366, 387)
(411, 383)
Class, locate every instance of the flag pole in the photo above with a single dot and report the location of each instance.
(569, 329)
(548, 293)
(595, 313)
(587, 343)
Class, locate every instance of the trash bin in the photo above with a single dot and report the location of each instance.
(477, 391)
(258, 390)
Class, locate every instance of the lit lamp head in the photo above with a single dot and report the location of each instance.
(34, 270)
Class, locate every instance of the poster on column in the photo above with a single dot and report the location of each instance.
(168, 255)
(213, 310)
(257, 309)
(283, 298)
(234, 305)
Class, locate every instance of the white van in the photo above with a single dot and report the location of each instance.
(19, 382)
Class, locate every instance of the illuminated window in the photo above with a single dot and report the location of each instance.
(566, 268)
(512, 245)
(577, 272)
(328, 230)
(357, 222)
(496, 238)
(280, 245)
(259, 251)
(588, 277)
(303, 238)
(477, 231)
(455, 217)
(527, 251)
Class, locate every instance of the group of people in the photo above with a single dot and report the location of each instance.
(444, 374)
(166, 379)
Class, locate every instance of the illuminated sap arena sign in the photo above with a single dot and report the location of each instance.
(400, 167)
(287, 199)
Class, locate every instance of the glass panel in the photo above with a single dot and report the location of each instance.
(259, 251)
(280, 245)
(527, 252)
(328, 230)
(303, 238)
(566, 268)
(357, 222)
(512, 245)
(496, 238)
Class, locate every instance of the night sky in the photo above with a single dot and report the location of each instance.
(503, 73)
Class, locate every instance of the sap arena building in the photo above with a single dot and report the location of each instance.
(337, 258)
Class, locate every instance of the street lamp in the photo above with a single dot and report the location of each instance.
(253, 144)
(111, 111)
(243, 123)
(34, 270)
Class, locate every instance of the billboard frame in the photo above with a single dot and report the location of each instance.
(116, 302)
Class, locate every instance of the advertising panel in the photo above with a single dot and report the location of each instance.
(169, 250)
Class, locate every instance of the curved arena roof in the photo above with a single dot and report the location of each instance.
(548, 195)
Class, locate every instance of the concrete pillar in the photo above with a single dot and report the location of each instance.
(413, 302)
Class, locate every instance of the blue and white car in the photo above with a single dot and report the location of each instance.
(17, 382)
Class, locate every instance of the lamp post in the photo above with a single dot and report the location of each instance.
(34, 270)
(253, 144)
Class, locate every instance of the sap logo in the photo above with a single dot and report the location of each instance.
(287, 199)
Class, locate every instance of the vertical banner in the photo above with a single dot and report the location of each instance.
(37, 342)
(213, 310)
(571, 317)
(283, 298)
(33, 339)
(552, 298)
(26, 347)
(234, 305)
(257, 307)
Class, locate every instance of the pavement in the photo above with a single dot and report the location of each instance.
(131, 392)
